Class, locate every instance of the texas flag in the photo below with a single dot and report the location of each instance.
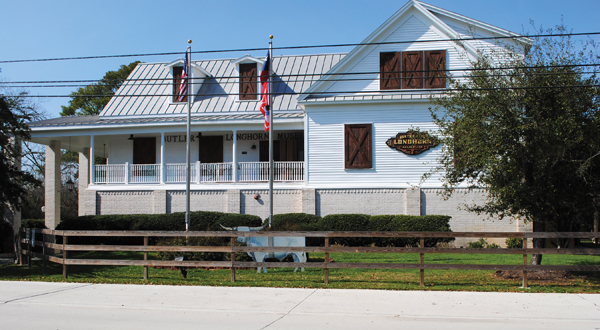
(264, 80)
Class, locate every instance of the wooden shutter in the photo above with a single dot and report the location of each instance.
(248, 81)
(211, 149)
(357, 148)
(177, 72)
(435, 69)
(144, 150)
(389, 70)
(412, 70)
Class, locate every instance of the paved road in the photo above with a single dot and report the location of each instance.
(39, 305)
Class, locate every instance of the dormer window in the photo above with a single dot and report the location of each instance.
(247, 66)
(248, 81)
(412, 70)
(177, 72)
(195, 79)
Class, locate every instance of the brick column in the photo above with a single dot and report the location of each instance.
(413, 201)
(84, 180)
(233, 201)
(52, 183)
(309, 201)
(159, 203)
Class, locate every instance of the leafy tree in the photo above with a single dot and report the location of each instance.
(85, 101)
(14, 114)
(525, 124)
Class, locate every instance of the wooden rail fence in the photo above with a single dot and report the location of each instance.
(58, 253)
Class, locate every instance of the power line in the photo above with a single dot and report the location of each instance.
(318, 76)
(300, 47)
(336, 93)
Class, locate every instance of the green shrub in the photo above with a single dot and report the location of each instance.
(479, 244)
(33, 223)
(298, 222)
(409, 223)
(514, 243)
(346, 222)
(385, 223)
(295, 222)
(425, 223)
(482, 243)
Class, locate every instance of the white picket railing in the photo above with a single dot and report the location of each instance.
(144, 173)
(175, 173)
(110, 173)
(216, 172)
(208, 172)
(259, 171)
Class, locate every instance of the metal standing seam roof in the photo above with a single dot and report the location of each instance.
(99, 120)
(147, 91)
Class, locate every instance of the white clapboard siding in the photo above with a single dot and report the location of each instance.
(390, 167)
(413, 27)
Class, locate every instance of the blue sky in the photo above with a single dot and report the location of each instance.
(50, 29)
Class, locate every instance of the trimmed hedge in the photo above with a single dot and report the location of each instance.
(347, 222)
(295, 222)
(199, 221)
(410, 223)
(33, 223)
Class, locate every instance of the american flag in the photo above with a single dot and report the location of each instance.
(264, 80)
(184, 83)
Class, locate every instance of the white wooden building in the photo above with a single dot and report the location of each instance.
(333, 114)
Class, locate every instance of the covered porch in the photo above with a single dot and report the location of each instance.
(199, 172)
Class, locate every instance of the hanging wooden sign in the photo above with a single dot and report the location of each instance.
(411, 142)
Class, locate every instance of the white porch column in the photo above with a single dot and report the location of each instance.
(92, 161)
(305, 151)
(84, 177)
(52, 185)
(234, 158)
(162, 158)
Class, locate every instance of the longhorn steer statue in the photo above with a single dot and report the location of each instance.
(277, 242)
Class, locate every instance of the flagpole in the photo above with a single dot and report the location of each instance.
(187, 147)
(271, 167)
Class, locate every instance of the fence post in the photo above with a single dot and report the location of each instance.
(525, 285)
(422, 262)
(145, 257)
(64, 251)
(29, 241)
(44, 257)
(232, 239)
(326, 260)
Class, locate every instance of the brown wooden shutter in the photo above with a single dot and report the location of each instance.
(412, 70)
(144, 150)
(211, 149)
(389, 67)
(435, 69)
(177, 72)
(357, 149)
(248, 81)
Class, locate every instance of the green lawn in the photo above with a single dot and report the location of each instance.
(453, 280)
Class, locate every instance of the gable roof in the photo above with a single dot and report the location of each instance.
(443, 22)
(148, 90)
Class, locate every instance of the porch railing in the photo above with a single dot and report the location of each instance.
(284, 171)
(200, 172)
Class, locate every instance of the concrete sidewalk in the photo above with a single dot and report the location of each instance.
(40, 305)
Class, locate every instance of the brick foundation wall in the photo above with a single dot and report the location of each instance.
(125, 202)
(286, 201)
(206, 200)
(365, 201)
(432, 202)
